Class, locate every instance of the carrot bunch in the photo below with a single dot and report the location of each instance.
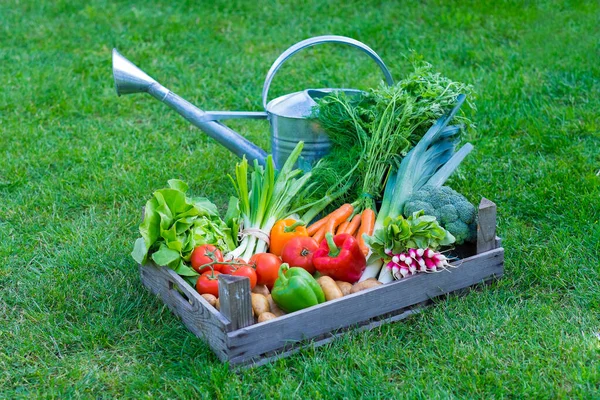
(342, 221)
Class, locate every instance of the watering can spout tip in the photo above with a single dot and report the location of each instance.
(128, 77)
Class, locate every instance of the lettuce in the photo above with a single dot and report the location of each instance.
(174, 224)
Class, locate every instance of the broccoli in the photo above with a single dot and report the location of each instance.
(452, 210)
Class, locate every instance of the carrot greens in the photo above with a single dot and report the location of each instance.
(371, 132)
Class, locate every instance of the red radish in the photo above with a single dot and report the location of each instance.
(416, 260)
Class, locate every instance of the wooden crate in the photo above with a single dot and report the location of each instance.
(235, 338)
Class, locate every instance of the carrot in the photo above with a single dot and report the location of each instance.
(313, 228)
(332, 221)
(337, 217)
(353, 225)
(342, 227)
(320, 235)
(367, 224)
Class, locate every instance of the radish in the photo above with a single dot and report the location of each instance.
(413, 261)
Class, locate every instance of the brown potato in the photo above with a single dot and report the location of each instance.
(274, 308)
(261, 289)
(212, 300)
(331, 290)
(218, 304)
(366, 284)
(345, 287)
(259, 304)
(266, 316)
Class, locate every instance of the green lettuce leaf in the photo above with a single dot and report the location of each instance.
(165, 256)
(174, 224)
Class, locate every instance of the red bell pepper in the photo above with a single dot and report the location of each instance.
(340, 257)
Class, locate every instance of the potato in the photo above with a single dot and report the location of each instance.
(266, 316)
(261, 289)
(366, 284)
(259, 304)
(345, 287)
(212, 300)
(331, 290)
(218, 304)
(278, 312)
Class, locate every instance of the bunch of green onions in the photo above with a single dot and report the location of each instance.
(267, 199)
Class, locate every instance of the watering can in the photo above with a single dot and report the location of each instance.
(288, 115)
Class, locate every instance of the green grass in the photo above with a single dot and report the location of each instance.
(79, 163)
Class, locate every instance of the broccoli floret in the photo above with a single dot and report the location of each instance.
(419, 205)
(451, 209)
(461, 231)
(466, 212)
(448, 213)
(420, 195)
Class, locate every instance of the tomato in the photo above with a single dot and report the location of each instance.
(298, 252)
(208, 283)
(267, 268)
(249, 272)
(203, 255)
(229, 269)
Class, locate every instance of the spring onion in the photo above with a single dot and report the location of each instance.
(266, 200)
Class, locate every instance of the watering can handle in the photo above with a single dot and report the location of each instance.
(318, 40)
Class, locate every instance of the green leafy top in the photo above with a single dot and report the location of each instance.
(418, 231)
(175, 224)
(372, 131)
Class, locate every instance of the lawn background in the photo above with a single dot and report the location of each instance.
(78, 163)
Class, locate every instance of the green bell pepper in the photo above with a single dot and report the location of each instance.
(296, 289)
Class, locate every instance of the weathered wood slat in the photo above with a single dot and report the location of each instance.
(195, 312)
(235, 300)
(486, 226)
(266, 358)
(289, 329)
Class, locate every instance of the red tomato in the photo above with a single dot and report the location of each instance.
(249, 272)
(208, 283)
(203, 255)
(298, 252)
(229, 269)
(267, 268)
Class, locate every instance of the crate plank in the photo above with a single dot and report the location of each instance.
(286, 331)
(267, 358)
(195, 312)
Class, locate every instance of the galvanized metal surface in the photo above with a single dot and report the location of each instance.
(288, 115)
(130, 79)
(312, 42)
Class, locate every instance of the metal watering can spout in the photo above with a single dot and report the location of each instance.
(289, 115)
(131, 79)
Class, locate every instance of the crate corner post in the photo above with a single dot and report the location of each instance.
(486, 226)
(235, 301)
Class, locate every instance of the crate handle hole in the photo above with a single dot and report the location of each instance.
(175, 288)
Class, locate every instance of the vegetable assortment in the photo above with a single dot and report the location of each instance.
(388, 214)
